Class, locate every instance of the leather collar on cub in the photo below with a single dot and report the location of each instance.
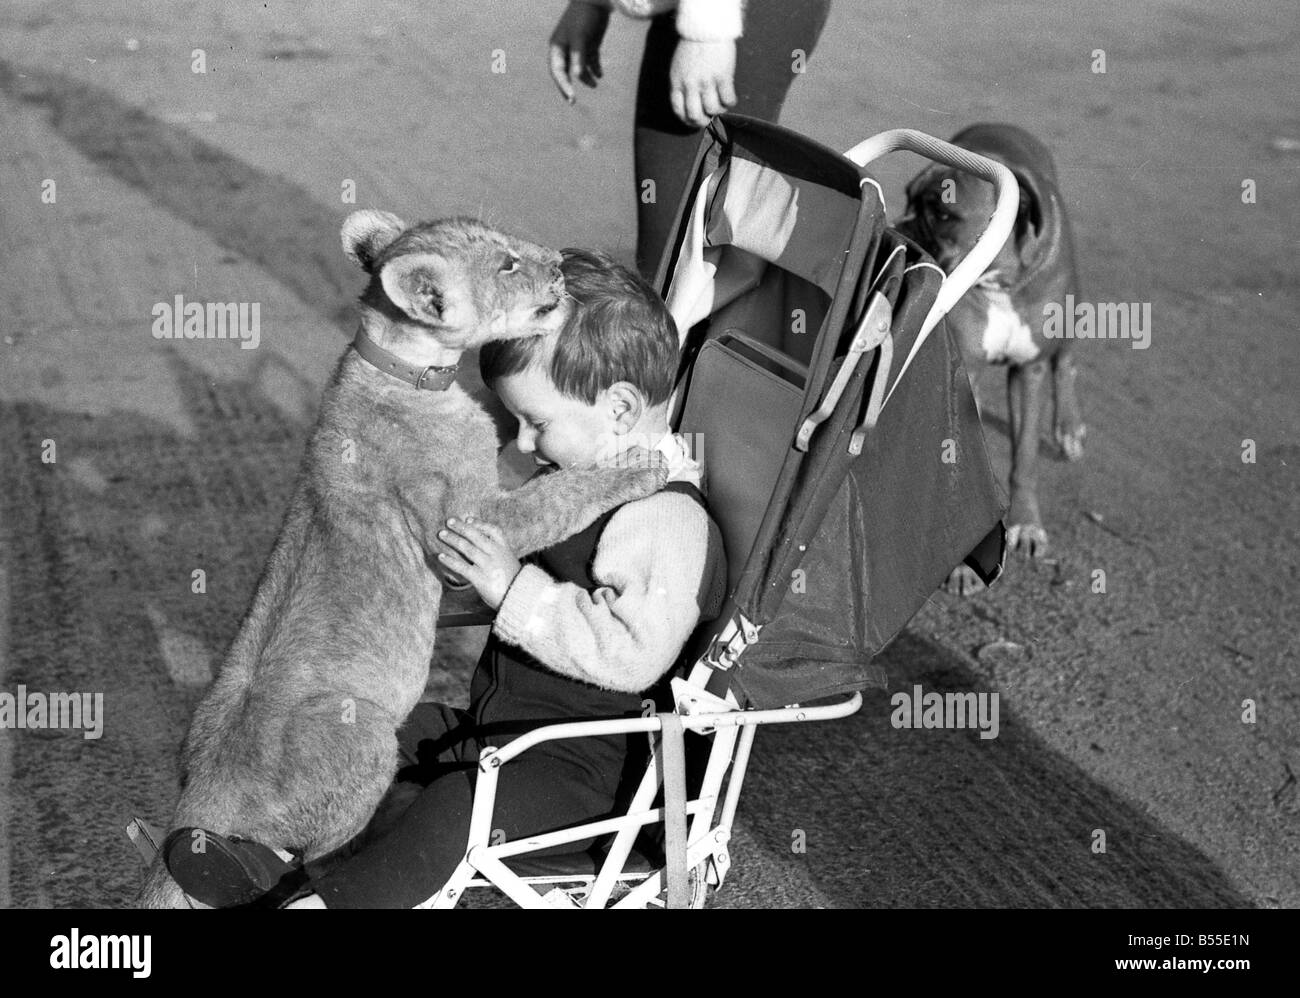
(430, 379)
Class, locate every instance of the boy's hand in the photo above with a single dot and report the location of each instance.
(702, 80)
(575, 46)
(483, 558)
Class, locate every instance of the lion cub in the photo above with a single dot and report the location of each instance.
(294, 744)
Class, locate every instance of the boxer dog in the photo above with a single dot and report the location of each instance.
(1001, 319)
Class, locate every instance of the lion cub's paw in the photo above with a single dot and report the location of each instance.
(637, 456)
(646, 470)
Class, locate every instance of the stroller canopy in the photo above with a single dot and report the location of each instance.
(844, 458)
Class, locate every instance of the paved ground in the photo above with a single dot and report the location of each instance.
(1122, 711)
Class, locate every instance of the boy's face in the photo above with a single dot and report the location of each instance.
(555, 428)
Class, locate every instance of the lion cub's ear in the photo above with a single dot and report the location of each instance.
(366, 233)
(416, 284)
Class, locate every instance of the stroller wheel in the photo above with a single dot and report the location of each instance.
(699, 889)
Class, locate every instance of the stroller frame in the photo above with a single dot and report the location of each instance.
(706, 853)
(699, 860)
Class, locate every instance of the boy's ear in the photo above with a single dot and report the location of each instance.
(415, 284)
(366, 233)
(627, 405)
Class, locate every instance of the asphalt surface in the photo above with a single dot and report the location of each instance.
(1121, 711)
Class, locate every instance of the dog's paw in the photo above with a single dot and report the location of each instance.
(1027, 538)
(963, 582)
(1070, 439)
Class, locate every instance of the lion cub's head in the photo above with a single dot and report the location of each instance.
(456, 279)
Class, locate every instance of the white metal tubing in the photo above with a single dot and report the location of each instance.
(691, 722)
(737, 778)
(572, 729)
(700, 674)
(653, 885)
(452, 891)
(1006, 191)
(720, 752)
(633, 819)
(558, 878)
(506, 880)
(643, 893)
(704, 806)
(481, 854)
(621, 847)
(485, 797)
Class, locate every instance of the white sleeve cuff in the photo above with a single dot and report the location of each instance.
(524, 609)
(709, 20)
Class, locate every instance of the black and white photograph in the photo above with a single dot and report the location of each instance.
(753, 454)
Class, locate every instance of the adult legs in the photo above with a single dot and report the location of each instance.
(664, 147)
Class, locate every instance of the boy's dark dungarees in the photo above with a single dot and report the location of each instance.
(551, 786)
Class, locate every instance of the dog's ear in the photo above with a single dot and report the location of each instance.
(416, 284)
(1029, 218)
(366, 233)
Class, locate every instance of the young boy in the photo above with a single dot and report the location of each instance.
(585, 629)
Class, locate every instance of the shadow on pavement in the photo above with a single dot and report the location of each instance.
(941, 818)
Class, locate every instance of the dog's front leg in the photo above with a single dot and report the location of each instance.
(1025, 382)
(1067, 423)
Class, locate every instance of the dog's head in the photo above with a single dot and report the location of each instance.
(457, 280)
(948, 210)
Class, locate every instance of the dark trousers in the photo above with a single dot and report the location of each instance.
(665, 147)
(420, 832)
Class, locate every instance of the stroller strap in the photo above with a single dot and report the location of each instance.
(673, 760)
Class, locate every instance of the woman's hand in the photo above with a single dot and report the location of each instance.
(702, 80)
(483, 558)
(575, 46)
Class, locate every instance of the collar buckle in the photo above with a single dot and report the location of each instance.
(443, 377)
(433, 379)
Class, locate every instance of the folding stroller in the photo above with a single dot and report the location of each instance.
(844, 463)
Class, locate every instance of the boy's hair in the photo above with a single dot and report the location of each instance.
(619, 330)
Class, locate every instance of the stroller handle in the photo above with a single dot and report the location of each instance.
(1006, 191)
(973, 265)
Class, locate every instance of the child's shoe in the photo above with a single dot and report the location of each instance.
(230, 872)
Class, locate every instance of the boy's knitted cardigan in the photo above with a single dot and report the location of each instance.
(697, 20)
(625, 634)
